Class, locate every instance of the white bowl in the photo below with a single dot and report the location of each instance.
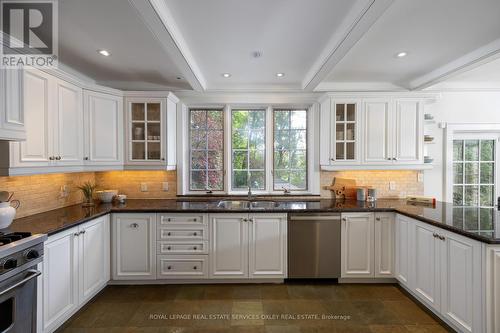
(106, 195)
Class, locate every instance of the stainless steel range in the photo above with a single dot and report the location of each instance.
(20, 253)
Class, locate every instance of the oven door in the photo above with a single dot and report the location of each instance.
(18, 302)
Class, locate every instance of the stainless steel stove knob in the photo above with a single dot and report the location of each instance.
(8, 264)
(31, 254)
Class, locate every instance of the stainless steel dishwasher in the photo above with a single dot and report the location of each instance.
(314, 245)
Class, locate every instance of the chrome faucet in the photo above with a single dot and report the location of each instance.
(249, 193)
(286, 190)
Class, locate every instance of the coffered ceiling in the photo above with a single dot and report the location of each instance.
(318, 45)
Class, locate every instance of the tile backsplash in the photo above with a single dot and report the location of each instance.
(406, 181)
(40, 193)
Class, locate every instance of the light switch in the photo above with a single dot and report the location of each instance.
(420, 177)
(392, 185)
(165, 186)
(144, 187)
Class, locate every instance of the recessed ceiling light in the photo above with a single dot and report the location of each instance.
(280, 74)
(401, 54)
(105, 53)
(226, 75)
(179, 78)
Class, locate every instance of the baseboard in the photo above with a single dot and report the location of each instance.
(368, 280)
(199, 281)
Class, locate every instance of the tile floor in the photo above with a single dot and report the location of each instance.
(288, 308)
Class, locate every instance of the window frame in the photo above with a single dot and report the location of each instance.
(183, 149)
(278, 109)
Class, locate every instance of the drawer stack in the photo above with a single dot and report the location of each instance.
(182, 246)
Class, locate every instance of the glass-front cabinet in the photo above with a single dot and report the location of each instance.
(147, 124)
(345, 137)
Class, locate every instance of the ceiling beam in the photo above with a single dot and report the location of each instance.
(160, 22)
(359, 20)
(471, 60)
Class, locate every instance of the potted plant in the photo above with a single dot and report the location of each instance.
(88, 189)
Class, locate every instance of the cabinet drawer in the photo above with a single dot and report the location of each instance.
(182, 219)
(199, 233)
(200, 247)
(175, 267)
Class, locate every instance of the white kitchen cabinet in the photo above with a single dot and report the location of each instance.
(377, 139)
(248, 246)
(151, 132)
(408, 133)
(103, 126)
(134, 246)
(229, 249)
(461, 281)
(94, 257)
(402, 252)
(267, 246)
(426, 264)
(11, 105)
(357, 241)
(384, 244)
(492, 290)
(60, 278)
(67, 117)
(75, 268)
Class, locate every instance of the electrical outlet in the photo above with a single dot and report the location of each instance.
(144, 187)
(64, 192)
(420, 177)
(392, 185)
(165, 186)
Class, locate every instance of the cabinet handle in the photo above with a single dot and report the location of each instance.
(81, 232)
(195, 268)
(377, 218)
(169, 234)
(163, 158)
(388, 158)
(169, 248)
(51, 158)
(169, 219)
(251, 220)
(394, 159)
(134, 225)
(195, 248)
(169, 267)
(195, 219)
(86, 158)
(442, 237)
(332, 159)
(195, 234)
(58, 158)
(344, 219)
(435, 235)
(243, 220)
(76, 234)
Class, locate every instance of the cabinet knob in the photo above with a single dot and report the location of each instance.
(134, 225)
(195, 248)
(76, 234)
(332, 159)
(163, 158)
(58, 158)
(51, 158)
(169, 248)
(388, 158)
(195, 234)
(81, 232)
(378, 218)
(394, 159)
(169, 234)
(195, 268)
(169, 267)
(195, 219)
(86, 158)
(169, 219)
(243, 220)
(434, 235)
(344, 219)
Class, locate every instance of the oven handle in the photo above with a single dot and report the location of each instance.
(34, 274)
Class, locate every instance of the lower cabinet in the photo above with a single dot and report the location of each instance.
(248, 246)
(134, 246)
(402, 250)
(75, 268)
(367, 245)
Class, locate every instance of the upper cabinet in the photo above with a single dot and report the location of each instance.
(103, 126)
(151, 132)
(371, 133)
(11, 105)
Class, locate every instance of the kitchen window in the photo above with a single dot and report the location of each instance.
(290, 150)
(248, 149)
(206, 149)
(474, 179)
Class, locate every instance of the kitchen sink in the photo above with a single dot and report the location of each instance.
(244, 204)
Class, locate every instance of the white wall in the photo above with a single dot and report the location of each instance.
(456, 107)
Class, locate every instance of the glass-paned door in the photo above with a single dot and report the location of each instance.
(474, 179)
(345, 132)
(145, 132)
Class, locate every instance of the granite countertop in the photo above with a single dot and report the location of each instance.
(481, 224)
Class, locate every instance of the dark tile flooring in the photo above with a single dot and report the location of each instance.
(268, 308)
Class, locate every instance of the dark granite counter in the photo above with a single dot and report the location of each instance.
(482, 224)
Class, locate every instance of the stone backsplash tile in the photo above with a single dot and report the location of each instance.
(406, 181)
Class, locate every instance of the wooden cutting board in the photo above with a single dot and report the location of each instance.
(344, 188)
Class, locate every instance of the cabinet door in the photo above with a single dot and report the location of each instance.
(229, 246)
(11, 105)
(357, 245)
(492, 293)
(35, 151)
(103, 129)
(461, 267)
(426, 265)
(93, 257)
(60, 278)
(408, 132)
(134, 246)
(402, 253)
(68, 115)
(384, 244)
(325, 132)
(345, 137)
(377, 133)
(267, 246)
